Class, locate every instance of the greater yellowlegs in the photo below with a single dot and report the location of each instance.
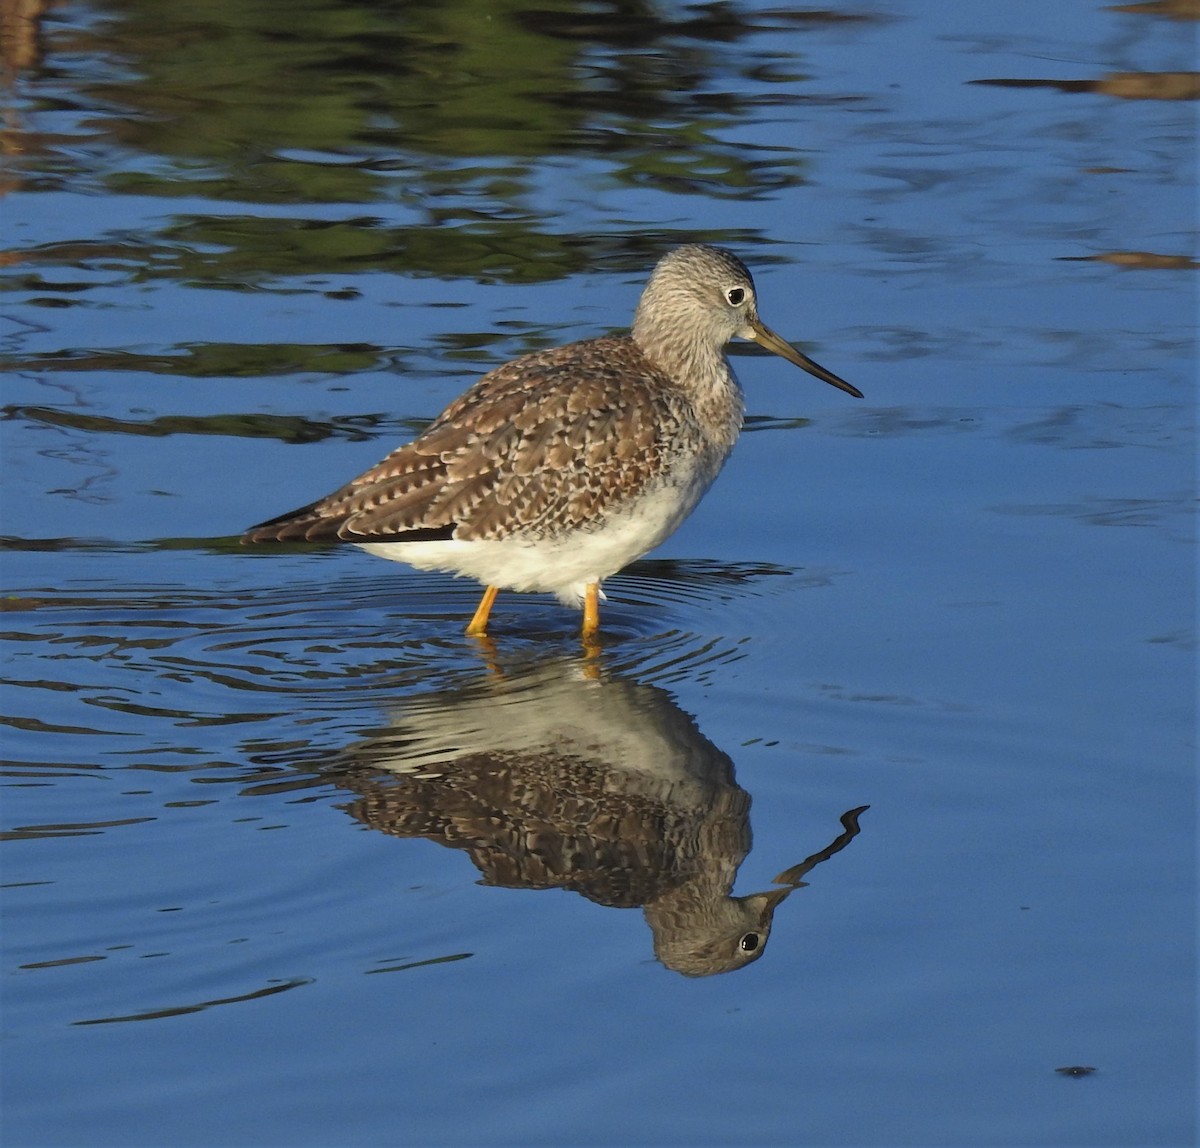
(558, 469)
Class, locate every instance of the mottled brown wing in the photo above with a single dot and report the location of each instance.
(536, 446)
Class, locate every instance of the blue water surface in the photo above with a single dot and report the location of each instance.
(289, 860)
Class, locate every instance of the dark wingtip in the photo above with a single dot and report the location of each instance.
(302, 525)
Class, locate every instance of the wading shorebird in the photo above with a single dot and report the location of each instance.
(560, 468)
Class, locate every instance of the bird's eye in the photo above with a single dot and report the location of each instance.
(736, 296)
(750, 941)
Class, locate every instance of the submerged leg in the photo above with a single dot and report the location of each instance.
(591, 610)
(478, 625)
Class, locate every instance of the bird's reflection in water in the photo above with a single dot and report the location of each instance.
(564, 778)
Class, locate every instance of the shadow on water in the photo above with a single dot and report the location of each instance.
(565, 776)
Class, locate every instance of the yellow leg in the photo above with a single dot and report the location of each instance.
(591, 610)
(478, 626)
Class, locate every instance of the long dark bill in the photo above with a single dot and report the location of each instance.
(765, 337)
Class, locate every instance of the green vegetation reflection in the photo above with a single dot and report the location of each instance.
(364, 102)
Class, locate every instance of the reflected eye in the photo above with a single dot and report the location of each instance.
(736, 296)
(750, 941)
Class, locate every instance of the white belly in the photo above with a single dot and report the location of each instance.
(566, 564)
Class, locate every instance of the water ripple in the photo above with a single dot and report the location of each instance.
(155, 664)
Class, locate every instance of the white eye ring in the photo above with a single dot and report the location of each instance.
(735, 296)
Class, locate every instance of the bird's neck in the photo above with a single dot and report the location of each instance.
(701, 372)
(696, 365)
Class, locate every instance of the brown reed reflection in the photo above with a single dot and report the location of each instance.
(21, 45)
